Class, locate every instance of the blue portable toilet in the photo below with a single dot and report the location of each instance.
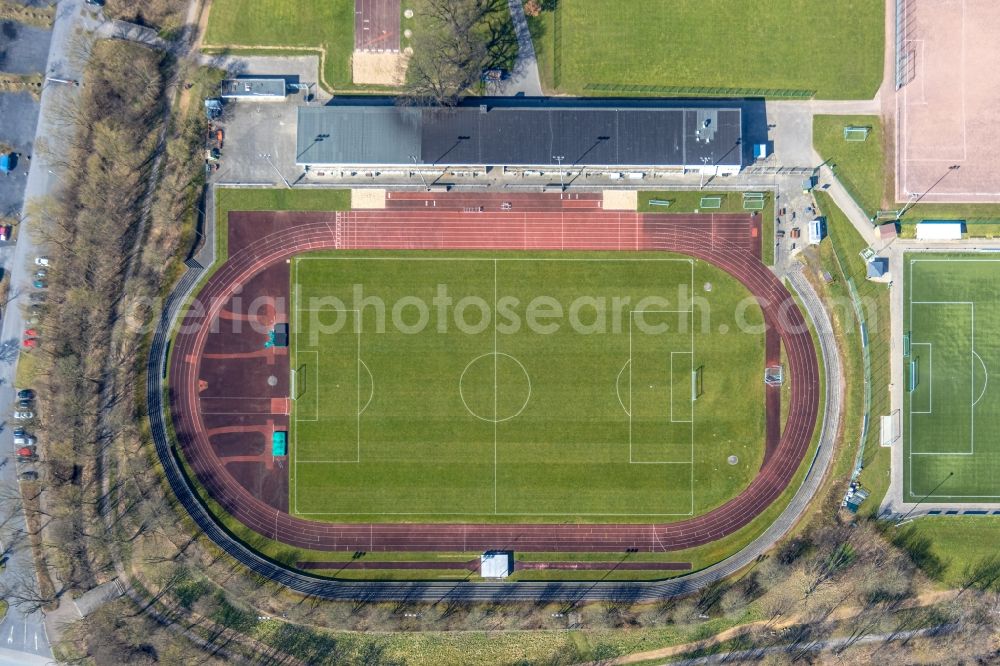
(7, 162)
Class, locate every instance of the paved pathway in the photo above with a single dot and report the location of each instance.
(524, 80)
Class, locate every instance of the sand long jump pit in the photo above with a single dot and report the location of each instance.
(947, 134)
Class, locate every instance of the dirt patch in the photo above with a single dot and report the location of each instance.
(369, 199)
(621, 200)
(384, 69)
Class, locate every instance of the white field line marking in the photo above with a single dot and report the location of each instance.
(670, 380)
(618, 390)
(371, 394)
(986, 379)
(930, 377)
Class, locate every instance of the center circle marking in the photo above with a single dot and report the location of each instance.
(489, 366)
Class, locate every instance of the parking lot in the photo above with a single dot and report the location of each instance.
(17, 132)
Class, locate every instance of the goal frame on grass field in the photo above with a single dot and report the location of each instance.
(855, 133)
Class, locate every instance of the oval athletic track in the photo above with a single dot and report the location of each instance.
(719, 239)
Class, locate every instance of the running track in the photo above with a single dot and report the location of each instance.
(720, 239)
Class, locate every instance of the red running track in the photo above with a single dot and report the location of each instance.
(720, 239)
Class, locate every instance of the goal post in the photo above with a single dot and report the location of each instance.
(856, 133)
(913, 379)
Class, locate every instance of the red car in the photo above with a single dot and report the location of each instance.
(30, 333)
(31, 343)
(25, 451)
(5, 232)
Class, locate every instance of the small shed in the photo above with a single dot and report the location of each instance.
(878, 268)
(281, 335)
(939, 230)
(888, 232)
(496, 564)
(279, 443)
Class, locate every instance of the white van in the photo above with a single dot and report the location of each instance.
(815, 231)
(24, 440)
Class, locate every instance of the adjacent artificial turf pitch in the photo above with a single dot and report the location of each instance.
(573, 402)
(952, 416)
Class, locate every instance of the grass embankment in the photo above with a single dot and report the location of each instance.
(732, 202)
(681, 47)
(277, 27)
(843, 241)
(866, 171)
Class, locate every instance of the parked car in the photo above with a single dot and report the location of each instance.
(24, 440)
(30, 333)
(30, 475)
(41, 261)
(5, 231)
(24, 404)
(23, 415)
(37, 297)
(40, 284)
(30, 343)
(26, 451)
(26, 394)
(41, 273)
(19, 431)
(27, 459)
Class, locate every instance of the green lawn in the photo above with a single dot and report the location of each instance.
(839, 253)
(946, 546)
(859, 165)
(834, 49)
(326, 25)
(952, 416)
(512, 419)
(866, 172)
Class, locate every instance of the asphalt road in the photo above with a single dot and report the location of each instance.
(23, 636)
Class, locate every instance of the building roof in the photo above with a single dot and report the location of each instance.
(253, 88)
(495, 564)
(940, 230)
(878, 267)
(519, 136)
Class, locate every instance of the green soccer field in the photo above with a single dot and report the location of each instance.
(832, 48)
(606, 388)
(952, 411)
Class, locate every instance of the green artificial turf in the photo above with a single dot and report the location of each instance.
(419, 418)
(832, 49)
(320, 24)
(952, 417)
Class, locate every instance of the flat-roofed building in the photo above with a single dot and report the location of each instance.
(627, 139)
(258, 90)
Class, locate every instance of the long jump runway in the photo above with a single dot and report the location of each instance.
(724, 240)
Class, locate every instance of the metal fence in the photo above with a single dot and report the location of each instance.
(904, 65)
(714, 91)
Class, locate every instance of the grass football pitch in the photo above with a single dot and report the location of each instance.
(833, 48)
(593, 387)
(952, 414)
